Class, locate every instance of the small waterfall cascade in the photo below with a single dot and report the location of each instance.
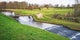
(30, 18)
(13, 14)
(9, 13)
(25, 19)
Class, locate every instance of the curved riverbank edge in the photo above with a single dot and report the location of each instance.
(58, 24)
(35, 19)
(44, 21)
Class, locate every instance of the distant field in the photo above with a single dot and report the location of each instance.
(44, 11)
(12, 30)
(47, 16)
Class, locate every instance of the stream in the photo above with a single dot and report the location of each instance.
(57, 29)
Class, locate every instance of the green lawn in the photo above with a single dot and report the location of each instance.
(48, 14)
(12, 30)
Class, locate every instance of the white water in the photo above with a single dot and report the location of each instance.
(58, 29)
(28, 20)
(9, 13)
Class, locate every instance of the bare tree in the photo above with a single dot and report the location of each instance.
(46, 5)
(68, 6)
(77, 8)
(56, 5)
(2, 5)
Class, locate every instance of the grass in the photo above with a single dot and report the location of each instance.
(71, 25)
(44, 11)
(12, 30)
(48, 13)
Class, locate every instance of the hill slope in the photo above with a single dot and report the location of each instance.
(12, 30)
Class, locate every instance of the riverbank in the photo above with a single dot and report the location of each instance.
(12, 30)
(47, 16)
(67, 24)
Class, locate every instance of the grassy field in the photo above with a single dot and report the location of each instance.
(12, 30)
(44, 11)
(48, 13)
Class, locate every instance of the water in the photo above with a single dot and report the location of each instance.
(9, 13)
(58, 29)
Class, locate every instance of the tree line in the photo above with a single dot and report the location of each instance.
(25, 5)
(17, 5)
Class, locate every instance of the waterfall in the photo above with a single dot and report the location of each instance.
(9, 13)
(13, 14)
(25, 19)
(30, 18)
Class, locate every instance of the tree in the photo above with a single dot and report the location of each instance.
(17, 5)
(10, 5)
(2, 5)
(30, 7)
(62, 6)
(57, 5)
(23, 5)
(77, 8)
(68, 6)
(47, 6)
(73, 5)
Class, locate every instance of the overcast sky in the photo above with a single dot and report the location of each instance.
(64, 2)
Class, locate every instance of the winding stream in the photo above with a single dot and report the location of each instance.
(58, 29)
